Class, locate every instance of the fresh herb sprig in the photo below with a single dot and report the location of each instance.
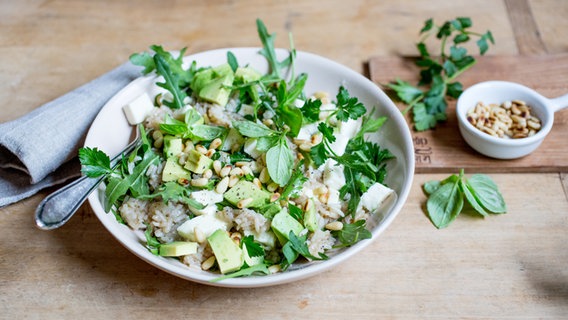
(446, 198)
(438, 73)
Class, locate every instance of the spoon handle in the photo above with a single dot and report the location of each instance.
(57, 208)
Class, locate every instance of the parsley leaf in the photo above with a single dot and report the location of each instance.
(253, 249)
(348, 107)
(437, 74)
(95, 162)
(311, 110)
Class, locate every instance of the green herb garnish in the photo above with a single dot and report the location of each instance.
(438, 73)
(446, 197)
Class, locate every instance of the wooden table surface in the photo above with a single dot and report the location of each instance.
(510, 266)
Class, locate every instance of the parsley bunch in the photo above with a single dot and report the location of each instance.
(438, 73)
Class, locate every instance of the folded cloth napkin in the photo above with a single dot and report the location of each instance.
(39, 149)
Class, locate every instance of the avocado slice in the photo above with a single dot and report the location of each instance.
(173, 171)
(245, 189)
(197, 162)
(177, 248)
(283, 223)
(310, 216)
(227, 253)
(247, 74)
(172, 146)
(216, 90)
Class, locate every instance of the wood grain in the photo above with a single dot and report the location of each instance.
(526, 31)
(444, 149)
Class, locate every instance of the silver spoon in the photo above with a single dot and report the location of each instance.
(57, 208)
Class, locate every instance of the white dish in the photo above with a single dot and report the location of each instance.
(498, 92)
(110, 132)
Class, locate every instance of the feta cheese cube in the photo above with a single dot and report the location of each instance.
(137, 110)
(208, 198)
(207, 224)
(374, 197)
(346, 131)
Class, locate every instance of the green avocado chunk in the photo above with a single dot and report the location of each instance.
(173, 171)
(197, 162)
(227, 253)
(172, 146)
(283, 223)
(247, 74)
(212, 84)
(245, 189)
(177, 248)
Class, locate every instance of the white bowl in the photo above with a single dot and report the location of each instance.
(499, 92)
(110, 132)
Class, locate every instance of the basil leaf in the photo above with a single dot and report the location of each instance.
(207, 132)
(487, 193)
(252, 129)
(431, 186)
(279, 162)
(444, 205)
(471, 199)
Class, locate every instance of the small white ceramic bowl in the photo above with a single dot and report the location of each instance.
(499, 92)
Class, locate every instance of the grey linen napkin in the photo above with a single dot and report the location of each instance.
(39, 149)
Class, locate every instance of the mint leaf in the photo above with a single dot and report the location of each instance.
(279, 162)
(444, 205)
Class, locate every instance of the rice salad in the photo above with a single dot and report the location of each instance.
(241, 173)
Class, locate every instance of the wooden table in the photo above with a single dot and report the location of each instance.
(510, 266)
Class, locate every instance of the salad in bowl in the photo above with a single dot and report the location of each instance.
(241, 172)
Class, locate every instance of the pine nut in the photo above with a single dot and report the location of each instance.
(272, 187)
(216, 143)
(236, 172)
(320, 190)
(222, 186)
(275, 196)
(208, 263)
(199, 182)
(201, 149)
(241, 164)
(233, 181)
(264, 177)
(158, 143)
(225, 171)
(275, 268)
(236, 237)
(257, 183)
(334, 226)
(210, 153)
(207, 173)
(217, 167)
(246, 170)
(244, 203)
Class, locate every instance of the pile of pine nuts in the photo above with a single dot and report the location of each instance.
(511, 119)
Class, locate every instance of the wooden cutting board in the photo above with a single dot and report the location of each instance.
(444, 150)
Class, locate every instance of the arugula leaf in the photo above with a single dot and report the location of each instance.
(152, 242)
(172, 83)
(269, 51)
(232, 61)
(94, 162)
(352, 233)
(296, 212)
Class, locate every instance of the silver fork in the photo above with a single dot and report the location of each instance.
(58, 207)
